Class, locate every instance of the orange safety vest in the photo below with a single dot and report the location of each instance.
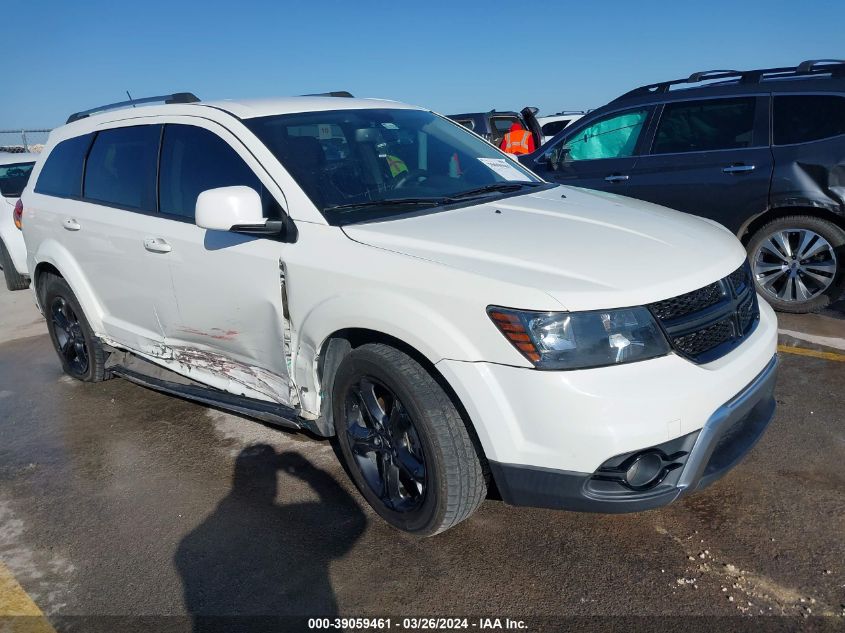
(516, 142)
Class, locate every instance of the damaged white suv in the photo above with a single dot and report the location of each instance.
(373, 271)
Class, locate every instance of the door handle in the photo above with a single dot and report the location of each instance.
(157, 245)
(617, 178)
(739, 169)
(71, 224)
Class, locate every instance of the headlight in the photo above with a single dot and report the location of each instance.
(577, 340)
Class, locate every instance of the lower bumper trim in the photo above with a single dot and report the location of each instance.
(729, 434)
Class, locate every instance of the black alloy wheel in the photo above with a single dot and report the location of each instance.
(70, 340)
(385, 445)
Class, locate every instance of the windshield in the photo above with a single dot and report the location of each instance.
(356, 165)
(13, 178)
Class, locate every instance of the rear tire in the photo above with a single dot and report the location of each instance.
(798, 263)
(14, 280)
(81, 353)
(404, 443)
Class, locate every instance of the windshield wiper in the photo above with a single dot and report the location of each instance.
(502, 187)
(388, 202)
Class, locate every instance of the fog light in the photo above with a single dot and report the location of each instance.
(644, 470)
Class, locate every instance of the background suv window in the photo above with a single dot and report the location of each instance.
(121, 167)
(614, 136)
(700, 126)
(803, 118)
(194, 160)
(550, 129)
(13, 178)
(62, 173)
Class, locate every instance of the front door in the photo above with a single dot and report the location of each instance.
(227, 326)
(709, 158)
(597, 155)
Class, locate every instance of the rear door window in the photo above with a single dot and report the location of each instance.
(804, 118)
(62, 173)
(13, 178)
(121, 167)
(194, 160)
(614, 136)
(701, 126)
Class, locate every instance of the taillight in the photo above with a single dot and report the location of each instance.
(17, 214)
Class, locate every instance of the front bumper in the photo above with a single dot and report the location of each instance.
(704, 456)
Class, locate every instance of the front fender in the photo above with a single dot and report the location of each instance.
(53, 253)
(402, 317)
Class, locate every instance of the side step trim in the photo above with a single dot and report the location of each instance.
(278, 414)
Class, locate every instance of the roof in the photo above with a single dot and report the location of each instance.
(10, 158)
(251, 108)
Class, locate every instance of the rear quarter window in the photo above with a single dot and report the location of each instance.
(62, 171)
(804, 118)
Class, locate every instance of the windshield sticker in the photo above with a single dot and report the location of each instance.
(502, 167)
(390, 126)
(324, 132)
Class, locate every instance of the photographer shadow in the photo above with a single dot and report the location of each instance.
(253, 563)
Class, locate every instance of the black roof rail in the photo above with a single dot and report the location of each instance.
(834, 67)
(176, 97)
(809, 65)
(333, 93)
(703, 75)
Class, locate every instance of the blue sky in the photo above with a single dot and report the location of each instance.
(62, 55)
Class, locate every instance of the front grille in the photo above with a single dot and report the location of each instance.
(689, 302)
(707, 323)
(705, 339)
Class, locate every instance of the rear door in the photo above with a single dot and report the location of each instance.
(709, 157)
(108, 232)
(598, 154)
(529, 115)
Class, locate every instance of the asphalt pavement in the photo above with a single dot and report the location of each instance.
(117, 502)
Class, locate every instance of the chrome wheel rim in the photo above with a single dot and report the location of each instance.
(70, 340)
(385, 445)
(794, 265)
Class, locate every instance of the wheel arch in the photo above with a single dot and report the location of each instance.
(53, 258)
(341, 342)
(754, 224)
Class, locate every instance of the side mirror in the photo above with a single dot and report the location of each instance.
(235, 209)
(558, 156)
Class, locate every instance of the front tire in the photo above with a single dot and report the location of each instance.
(797, 263)
(404, 442)
(80, 352)
(14, 280)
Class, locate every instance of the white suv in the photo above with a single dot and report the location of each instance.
(373, 271)
(15, 169)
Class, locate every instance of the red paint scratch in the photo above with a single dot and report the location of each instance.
(215, 333)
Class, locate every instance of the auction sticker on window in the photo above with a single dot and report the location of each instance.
(502, 167)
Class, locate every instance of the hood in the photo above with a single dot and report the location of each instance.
(589, 250)
(516, 127)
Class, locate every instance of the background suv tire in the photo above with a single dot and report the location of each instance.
(80, 352)
(798, 262)
(14, 280)
(404, 442)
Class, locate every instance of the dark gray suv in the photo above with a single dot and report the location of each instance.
(760, 151)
